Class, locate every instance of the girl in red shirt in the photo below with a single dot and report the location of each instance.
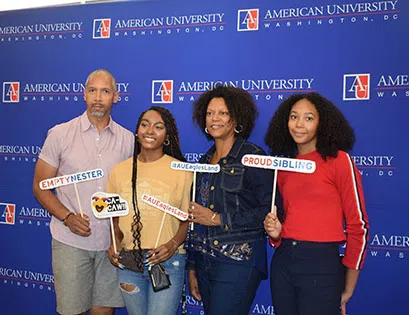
(322, 210)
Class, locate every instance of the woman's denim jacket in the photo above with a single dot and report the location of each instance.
(240, 194)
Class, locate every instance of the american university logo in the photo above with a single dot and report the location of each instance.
(101, 29)
(7, 213)
(162, 91)
(11, 92)
(247, 20)
(356, 87)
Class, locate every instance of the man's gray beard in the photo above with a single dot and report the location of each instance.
(97, 114)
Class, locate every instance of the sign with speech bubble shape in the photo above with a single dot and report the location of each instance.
(278, 163)
(154, 202)
(105, 205)
(71, 179)
(64, 180)
(195, 167)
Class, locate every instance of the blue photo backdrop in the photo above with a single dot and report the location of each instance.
(167, 53)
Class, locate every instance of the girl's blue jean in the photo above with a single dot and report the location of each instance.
(143, 300)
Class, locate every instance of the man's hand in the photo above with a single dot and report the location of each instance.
(78, 225)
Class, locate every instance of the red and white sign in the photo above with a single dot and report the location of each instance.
(64, 180)
(154, 202)
(278, 163)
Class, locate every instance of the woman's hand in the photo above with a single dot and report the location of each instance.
(203, 215)
(162, 253)
(193, 285)
(114, 257)
(272, 225)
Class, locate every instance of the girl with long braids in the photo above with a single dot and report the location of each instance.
(321, 210)
(148, 172)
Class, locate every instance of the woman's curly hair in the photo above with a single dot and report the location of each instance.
(240, 103)
(333, 133)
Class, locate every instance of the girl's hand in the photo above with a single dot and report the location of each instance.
(272, 225)
(114, 257)
(162, 253)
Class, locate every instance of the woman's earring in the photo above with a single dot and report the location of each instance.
(206, 130)
(238, 129)
(166, 142)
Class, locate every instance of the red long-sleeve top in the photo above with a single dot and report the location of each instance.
(321, 206)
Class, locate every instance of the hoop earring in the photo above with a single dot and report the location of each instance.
(240, 129)
(206, 130)
(166, 142)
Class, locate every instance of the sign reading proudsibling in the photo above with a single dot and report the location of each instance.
(106, 205)
(154, 202)
(64, 180)
(278, 163)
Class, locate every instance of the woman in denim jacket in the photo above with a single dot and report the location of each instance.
(227, 244)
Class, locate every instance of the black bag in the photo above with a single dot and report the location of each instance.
(129, 261)
(159, 278)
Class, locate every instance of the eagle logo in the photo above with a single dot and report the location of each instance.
(99, 203)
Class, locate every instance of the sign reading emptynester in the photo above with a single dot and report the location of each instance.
(51, 183)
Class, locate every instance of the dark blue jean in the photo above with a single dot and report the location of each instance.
(226, 288)
(306, 278)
